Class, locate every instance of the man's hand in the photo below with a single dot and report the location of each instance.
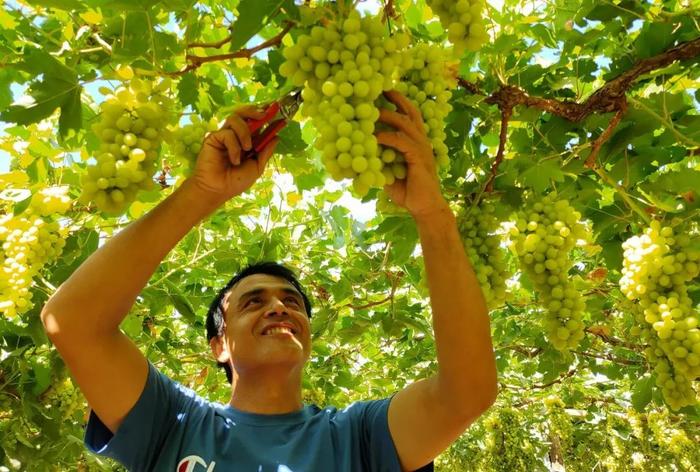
(420, 192)
(221, 170)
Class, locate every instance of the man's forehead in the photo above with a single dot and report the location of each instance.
(259, 281)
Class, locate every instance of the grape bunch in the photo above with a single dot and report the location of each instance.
(63, 398)
(427, 82)
(478, 227)
(463, 21)
(343, 68)
(544, 235)
(50, 201)
(657, 269)
(28, 243)
(509, 444)
(132, 127)
(187, 140)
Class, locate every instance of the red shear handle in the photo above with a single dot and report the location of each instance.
(255, 125)
(260, 141)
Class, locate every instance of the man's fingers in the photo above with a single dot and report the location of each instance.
(250, 111)
(240, 127)
(226, 140)
(404, 105)
(400, 122)
(398, 141)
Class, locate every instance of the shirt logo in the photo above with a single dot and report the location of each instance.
(190, 463)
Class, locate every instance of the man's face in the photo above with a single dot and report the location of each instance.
(252, 306)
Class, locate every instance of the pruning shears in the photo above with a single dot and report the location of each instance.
(277, 115)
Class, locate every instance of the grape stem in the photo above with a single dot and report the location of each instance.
(390, 298)
(623, 193)
(613, 340)
(196, 61)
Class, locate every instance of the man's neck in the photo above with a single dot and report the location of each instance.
(269, 392)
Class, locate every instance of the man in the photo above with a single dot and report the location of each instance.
(148, 422)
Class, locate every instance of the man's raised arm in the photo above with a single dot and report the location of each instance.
(430, 414)
(82, 318)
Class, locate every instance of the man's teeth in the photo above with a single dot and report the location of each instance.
(278, 330)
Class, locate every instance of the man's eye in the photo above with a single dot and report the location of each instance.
(252, 300)
(293, 300)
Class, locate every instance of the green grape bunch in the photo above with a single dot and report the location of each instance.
(510, 446)
(427, 79)
(132, 127)
(49, 201)
(463, 21)
(343, 67)
(187, 141)
(545, 233)
(658, 267)
(478, 227)
(63, 398)
(28, 243)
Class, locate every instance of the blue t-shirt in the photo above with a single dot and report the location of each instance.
(170, 428)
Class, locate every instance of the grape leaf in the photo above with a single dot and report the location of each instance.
(251, 19)
(187, 89)
(653, 39)
(641, 393)
(539, 175)
(57, 88)
(291, 141)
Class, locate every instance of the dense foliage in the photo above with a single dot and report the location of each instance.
(567, 131)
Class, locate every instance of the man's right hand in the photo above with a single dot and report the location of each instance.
(221, 171)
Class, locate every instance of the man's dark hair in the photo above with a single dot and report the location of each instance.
(215, 315)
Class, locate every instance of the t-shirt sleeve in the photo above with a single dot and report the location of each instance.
(381, 454)
(142, 434)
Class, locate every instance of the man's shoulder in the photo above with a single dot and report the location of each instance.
(357, 407)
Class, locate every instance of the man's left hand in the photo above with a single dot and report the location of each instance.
(420, 192)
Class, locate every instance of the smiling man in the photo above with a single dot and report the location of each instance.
(258, 329)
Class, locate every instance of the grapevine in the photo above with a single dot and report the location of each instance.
(132, 128)
(657, 268)
(463, 21)
(545, 233)
(478, 227)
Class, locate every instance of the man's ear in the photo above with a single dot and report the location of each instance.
(219, 349)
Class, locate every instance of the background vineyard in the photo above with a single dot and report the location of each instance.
(592, 102)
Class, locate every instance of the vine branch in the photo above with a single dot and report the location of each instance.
(196, 61)
(609, 98)
(505, 116)
(608, 357)
(613, 340)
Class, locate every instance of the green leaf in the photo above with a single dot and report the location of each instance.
(58, 88)
(187, 89)
(540, 175)
(641, 393)
(251, 19)
(653, 39)
(181, 304)
(291, 141)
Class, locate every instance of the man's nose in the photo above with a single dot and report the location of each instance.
(276, 307)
